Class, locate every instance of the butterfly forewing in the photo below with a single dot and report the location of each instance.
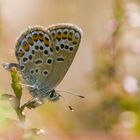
(66, 40)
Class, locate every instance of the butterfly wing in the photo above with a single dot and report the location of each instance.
(35, 55)
(45, 55)
(65, 42)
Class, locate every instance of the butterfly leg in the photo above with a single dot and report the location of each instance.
(9, 66)
(33, 103)
(26, 85)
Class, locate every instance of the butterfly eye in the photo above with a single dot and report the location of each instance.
(53, 96)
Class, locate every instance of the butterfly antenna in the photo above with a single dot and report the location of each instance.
(71, 93)
(69, 106)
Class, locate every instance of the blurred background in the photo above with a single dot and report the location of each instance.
(105, 70)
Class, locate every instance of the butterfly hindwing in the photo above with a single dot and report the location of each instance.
(35, 55)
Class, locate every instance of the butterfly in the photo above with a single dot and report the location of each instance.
(44, 56)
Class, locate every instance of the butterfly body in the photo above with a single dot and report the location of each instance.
(44, 56)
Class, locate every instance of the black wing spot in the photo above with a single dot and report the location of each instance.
(57, 48)
(22, 67)
(62, 46)
(30, 41)
(66, 47)
(49, 61)
(32, 71)
(46, 52)
(64, 37)
(41, 48)
(71, 33)
(36, 47)
(36, 70)
(25, 59)
(75, 42)
(60, 59)
(40, 34)
(59, 32)
(71, 48)
(24, 43)
(53, 34)
(45, 72)
(33, 51)
(46, 38)
(39, 61)
(35, 35)
(65, 32)
(30, 57)
(51, 49)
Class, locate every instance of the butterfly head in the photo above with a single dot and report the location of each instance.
(43, 94)
(53, 95)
